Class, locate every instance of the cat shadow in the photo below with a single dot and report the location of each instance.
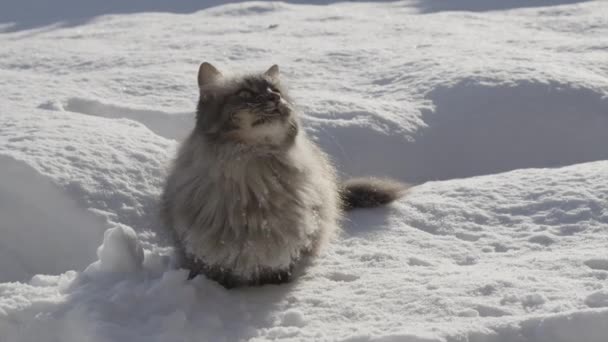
(245, 309)
(364, 222)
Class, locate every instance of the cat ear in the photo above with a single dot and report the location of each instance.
(273, 71)
(207, 73)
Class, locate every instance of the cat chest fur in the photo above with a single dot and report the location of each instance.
(251, 214)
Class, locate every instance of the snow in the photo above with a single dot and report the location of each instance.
(35, 215)
(496, 110)
(119, 253)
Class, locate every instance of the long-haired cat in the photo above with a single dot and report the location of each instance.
(250, 196)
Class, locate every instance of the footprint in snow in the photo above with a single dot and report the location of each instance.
(597, 299)
(542, 239)
(597, 264)
(342, 277)
(467, 237)
(501, 248)
(418, 262)
(490, 311)
(569, 230)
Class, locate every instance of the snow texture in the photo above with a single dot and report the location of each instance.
(496, 110)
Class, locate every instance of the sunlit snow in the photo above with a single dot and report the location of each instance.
(497, 112)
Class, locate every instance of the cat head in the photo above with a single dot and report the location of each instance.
(252, 110)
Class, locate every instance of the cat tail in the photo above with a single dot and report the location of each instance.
(370, 192)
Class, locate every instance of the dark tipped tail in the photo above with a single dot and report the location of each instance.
(370, 192)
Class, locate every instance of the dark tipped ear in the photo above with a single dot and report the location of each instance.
(207, 73)
(273, 71)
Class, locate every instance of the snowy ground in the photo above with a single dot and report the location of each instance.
(497, 110)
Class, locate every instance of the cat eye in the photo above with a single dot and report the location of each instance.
(245, 94)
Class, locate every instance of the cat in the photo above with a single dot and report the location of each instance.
(250, 196)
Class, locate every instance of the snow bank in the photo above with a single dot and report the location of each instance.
(482, 127)
(452, 255)
(42, 230)
(506, 108)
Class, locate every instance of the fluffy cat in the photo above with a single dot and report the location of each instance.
(250, 196)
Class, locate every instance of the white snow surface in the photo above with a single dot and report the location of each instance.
(497, 112)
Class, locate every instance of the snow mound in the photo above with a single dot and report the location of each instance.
(42, 230)
(170, 126)
(478, 127)
(484, 127)
(119, 253)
